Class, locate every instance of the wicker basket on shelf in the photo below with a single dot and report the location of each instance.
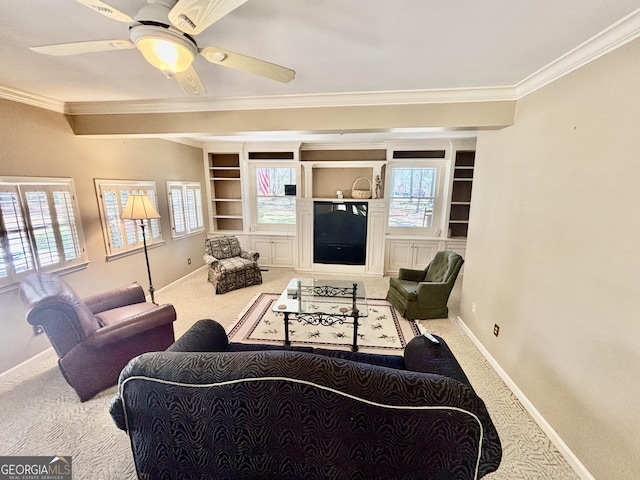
(356, 193)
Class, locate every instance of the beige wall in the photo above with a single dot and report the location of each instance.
(35, 142)
(553, 257)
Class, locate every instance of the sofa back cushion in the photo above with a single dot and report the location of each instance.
(223, 246)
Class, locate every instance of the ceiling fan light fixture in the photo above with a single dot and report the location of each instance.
(164, 49)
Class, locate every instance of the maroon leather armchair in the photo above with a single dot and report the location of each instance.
(96, 337)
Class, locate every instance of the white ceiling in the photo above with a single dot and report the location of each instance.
(337, 48)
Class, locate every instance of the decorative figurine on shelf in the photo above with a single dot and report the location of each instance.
(378, 187)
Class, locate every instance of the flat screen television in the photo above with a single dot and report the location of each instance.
(340, 232)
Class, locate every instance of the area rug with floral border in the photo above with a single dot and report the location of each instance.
(383, 331)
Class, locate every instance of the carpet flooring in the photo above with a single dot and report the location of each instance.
(41, 415)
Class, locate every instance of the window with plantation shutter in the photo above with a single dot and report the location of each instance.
(124, 236)
(185, 208)
(40, 229)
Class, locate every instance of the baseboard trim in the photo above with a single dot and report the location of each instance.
(564, 449)
(181, 279)
(21, 366)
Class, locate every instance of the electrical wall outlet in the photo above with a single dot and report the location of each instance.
(189, 261)
(473, 307)
(496, 329)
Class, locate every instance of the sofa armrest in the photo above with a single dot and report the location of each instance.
(204, 336)
(134, 325)
(116, 409)
(250, 255)
(425, 356)
(210, 260)
(118, 297)
(411, 275)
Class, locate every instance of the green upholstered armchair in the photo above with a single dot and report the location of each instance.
(420, 294)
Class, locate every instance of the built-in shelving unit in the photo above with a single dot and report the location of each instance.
(321, 171)
(461, 193)
(226, 191)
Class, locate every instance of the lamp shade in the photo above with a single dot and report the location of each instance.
(139, 207)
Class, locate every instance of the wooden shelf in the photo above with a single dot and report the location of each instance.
(227, 224)
(459, 212)
(224, 160)
(229, 174)
(227, 208)
(226, 192)
(461, 193)
(458, 230)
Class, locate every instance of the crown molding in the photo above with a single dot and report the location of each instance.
(611, 38)
(20, 96)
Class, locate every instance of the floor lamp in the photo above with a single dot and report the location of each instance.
(140, 207)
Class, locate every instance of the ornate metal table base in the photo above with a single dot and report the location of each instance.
(326, 319)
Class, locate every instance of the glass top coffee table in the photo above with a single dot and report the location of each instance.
(323, 302)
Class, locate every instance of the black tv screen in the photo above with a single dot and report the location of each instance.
(340, 232)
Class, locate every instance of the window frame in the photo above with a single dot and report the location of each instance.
(173, 187)
(44, 230)
(439, 199)
(256, 225)
(127, 228)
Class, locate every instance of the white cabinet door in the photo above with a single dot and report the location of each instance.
(304, 226)
(282, 252)
(423, 253)
(399, 255)
(375, 239)
(262, 245)
(406, 254)
(274, 251)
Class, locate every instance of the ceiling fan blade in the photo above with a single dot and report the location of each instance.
(194, 16)
(77, 48)
(227, 58)
(106, 10)
(190, 82)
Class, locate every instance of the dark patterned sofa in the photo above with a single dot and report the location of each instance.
(230, 267)
(210, 409)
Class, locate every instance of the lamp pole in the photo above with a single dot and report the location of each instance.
(140, 207)
(146, 257)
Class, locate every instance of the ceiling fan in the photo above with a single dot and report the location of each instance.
(162, 31)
